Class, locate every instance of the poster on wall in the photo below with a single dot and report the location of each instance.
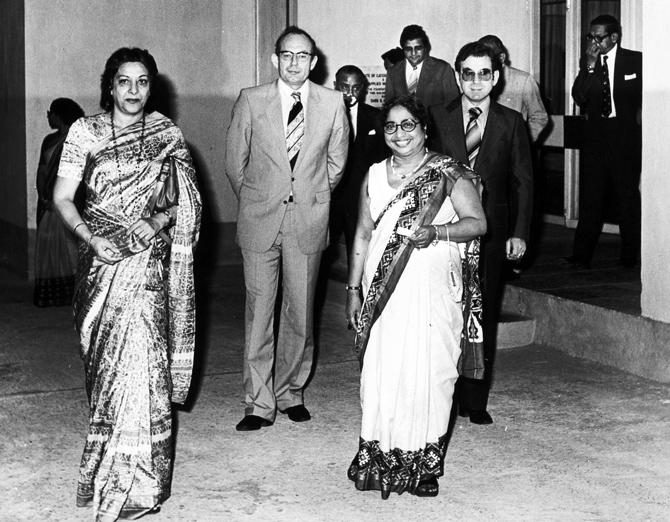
(376, 75)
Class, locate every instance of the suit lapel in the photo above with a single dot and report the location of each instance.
(492, 133)
(276, 124)
(311, 123)
(424, 77)
(455, 134)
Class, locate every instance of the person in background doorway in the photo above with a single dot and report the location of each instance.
(608, 89)
(55, 246)
(366, 146)
(392, 56)
(430, 79)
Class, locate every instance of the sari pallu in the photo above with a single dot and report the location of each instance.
(427, 192)
(136, 321)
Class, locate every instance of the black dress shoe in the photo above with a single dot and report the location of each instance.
(480, 417)
(297, 413)
(252, 423)
(428, 488)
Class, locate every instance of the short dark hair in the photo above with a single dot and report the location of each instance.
(495, 44)
(477, 49)
(413, 32)
(611, 24)
(293, 29)
(413, 106)
(116, 60)
(67, 110)
(347, 70)
(394, 55)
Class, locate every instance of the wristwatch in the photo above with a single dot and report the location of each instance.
(590, 68)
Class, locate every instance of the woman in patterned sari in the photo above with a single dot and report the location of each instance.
(415, 208)
(134, 303)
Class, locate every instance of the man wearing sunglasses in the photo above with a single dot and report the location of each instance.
(608, 90)
(430, 79)
(285, 151)
(493, 140)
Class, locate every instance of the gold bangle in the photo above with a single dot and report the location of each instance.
(352, 287)
(437, 235)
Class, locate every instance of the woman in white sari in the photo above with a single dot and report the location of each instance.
(415, 208)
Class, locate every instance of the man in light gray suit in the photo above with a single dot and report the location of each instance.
(286, 149)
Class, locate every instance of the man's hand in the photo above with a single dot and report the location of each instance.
(515, 248)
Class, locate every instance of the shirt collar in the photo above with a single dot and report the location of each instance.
(611, 54)
(484, 106)
(285, 91)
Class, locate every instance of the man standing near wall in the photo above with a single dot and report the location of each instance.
(518, 90)
(430, 79)
(366, 147)
(493, 140)
(285, 151)
(608, 89)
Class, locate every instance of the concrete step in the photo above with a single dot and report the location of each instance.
(515, 330)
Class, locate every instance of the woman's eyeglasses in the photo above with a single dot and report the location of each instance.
(484, 75)
(407, 125)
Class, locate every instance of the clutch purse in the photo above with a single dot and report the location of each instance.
(164, 197)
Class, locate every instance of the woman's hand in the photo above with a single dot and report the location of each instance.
(145, 229)
(105, 250)
(423, 236)
(353, 308)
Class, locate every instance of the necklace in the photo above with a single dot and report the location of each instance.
(409, 175)
(140, 157)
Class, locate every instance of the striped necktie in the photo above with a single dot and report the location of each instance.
(295, 130)
(413, 80)
(607, 95)
(473, 136)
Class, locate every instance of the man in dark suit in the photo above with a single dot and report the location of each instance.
(430, 79)
(285, 151)
(608, 89)
(493, 140)
(366, 146)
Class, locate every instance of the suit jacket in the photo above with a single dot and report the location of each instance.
(503, 162)
(258, 168)
(437, 83)
(367, 148)
(586, 92)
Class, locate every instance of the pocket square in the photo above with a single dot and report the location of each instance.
(630, 76)
(372, 132)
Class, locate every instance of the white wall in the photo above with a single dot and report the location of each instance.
(655, 188)
(198, 44)
(359, 31)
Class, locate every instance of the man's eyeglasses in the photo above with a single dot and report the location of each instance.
(301, 57)
(407, 125)
(484, 75)
(597, 38)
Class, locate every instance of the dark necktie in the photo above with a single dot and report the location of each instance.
(607, 95)
(295, 129)
(473, 136)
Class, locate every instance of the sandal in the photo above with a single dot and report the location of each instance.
(428, 488)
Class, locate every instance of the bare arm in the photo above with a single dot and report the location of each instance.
(63, 200)
(471, 220)
(358, 253)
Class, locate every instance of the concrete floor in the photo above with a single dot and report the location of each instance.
(571, 441)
